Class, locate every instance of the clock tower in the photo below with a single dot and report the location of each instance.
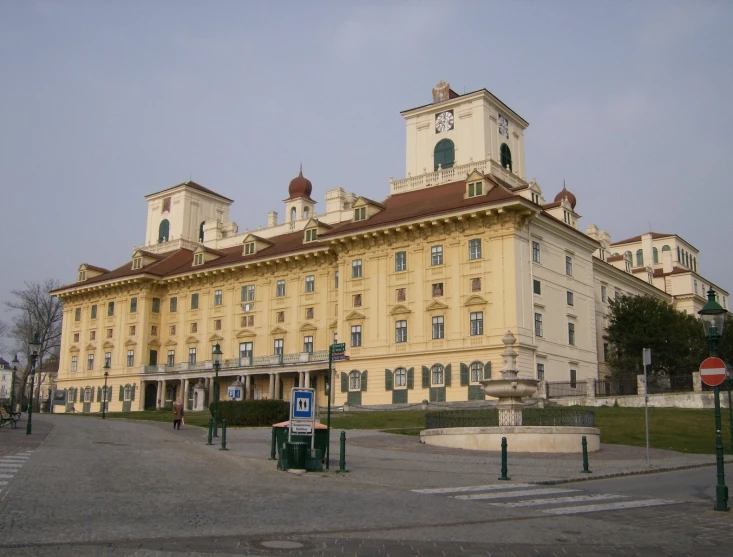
(456, 130)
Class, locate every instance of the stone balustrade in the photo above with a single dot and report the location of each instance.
(271, 360)
(454, 174)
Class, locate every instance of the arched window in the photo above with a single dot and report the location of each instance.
(477, 371)
(506, 156)
(400, 377)
(639, 257)
(687, 259)
(444, 154)
(163, 231)
(694, 264)
(679, 259)
(293, 214)
(436, 373)
(666, 248)
(305, 213)
(655, 255)
(201, 231)
(354, 380)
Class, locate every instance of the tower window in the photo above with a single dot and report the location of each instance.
(163, 231)
(444, 155)
(506, 156)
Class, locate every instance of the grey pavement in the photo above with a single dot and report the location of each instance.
(118, 487)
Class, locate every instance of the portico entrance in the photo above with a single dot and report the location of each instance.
(150, 394)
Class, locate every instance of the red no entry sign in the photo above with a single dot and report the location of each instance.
(712, 371)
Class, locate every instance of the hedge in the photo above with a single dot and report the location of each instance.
(253, 413)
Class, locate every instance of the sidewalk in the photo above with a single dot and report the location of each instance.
(14, 440)
(385, 459)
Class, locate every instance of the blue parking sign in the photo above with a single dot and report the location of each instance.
(303, 405)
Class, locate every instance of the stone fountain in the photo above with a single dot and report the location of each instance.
(510, 391)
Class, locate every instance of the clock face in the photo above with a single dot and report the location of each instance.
(444, 121)
(503, 126)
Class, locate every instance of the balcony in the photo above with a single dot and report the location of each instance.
(241, 363)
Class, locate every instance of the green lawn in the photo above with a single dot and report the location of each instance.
(688, 431)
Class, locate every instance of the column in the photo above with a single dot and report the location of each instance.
(247, 387)
(272, 387)
(162, 394)
(184, 394)
(158, 396)
(306, 379)
(207, 384)
(301, 378)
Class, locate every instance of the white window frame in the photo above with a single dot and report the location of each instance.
(536, 252)
(474, 249)
(218, 297)
(400, 261)
(192, 356)
(400, 377)
(436, 256)
(476, 372)
(568, 266)
(308, 344)
(279, 347)
(437, 375)
(538, 332)
(477, 323)
(401, 330)
(356, 335)
(357, 270)
(171, 358)
(438, 327)
(90, 362)
(74, 363)
(310, 283)
(354, 380)
(280, 289)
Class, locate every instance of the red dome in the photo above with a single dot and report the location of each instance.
(565, 194)
(300, 186)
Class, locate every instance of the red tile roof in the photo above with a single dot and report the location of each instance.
(655, 236)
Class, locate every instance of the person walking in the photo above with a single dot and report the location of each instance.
(177, 414)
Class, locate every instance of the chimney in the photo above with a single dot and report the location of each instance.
(271, 219)
(667, 261)
(441, 92)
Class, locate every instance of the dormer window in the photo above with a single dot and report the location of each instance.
(475, 188)
(137, 263)
(82, 276)
(198, 258)
(536, 198)
(311, 235)
(249, 248)
(360, 213)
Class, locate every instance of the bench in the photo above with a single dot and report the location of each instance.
(6, 418)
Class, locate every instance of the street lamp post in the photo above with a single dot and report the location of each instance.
(12, 383)
(216, 357)
(713, 320)
(34, 347)
(104, 392)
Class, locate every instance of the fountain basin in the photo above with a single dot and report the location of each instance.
(510, 388)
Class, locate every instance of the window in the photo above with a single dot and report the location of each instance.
(217, 297)
(537, 287)
(198, 258)
(571, 334)
(400, 377)
(354, 380)
(194, 327)
(163, 230)
(217, 324)
(248, 293)
(128, 392)
(360, 213)
(695, 283)
(474, 248)
(437, 289)
(82, 275)
(616, 295)
(156, 305)
(74, 362)
(401, 294)
(436, 374)
(249, 248)
(310, 283)
(76, 337)
(279, 346)
(540, 372)
(605, 351)
(310, 235)
(477, 372)
(573, 379)
(94, 311)
(245, 350)
(356, 268)
(195, 301)
(308, 344)
(604, 295)
(309, 312)
(438, 327)
(506, 156)
(93, 335)
(356, 335)
(477, 323)
(639, 258)
(400, 261)
(280, 289)
(171, 361)
(137, 263)
(250, 320)
(88, 394)
(90, 362)
(566, 217)
(655, 255)
(280, 317)
(110, 332)
(132, 330)
(357, 300)
(570, 298)
(336, 280)
(173, 305)
(538, 324)
(536, 252)
(475, 285)
(568, 265)
(130, 358)
(444, 155)
(191, 356)
(535, 198)
(77, 314)
(436, 255)
(475, 189)
(401, 331)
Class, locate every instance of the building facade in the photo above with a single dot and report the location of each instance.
(420, 286)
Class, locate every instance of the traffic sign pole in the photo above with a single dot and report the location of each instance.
(328, 415)
(713, 372)
(647, 360)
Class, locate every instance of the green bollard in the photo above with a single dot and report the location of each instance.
(342, 453)
(586, 470)
(273, 446)
(223, 436)
(503, 460)
(211, 427)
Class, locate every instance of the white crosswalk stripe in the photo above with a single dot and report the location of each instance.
(10, 465)
(544, 498)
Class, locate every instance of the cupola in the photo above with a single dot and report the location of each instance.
(300, 186)
(565, 194)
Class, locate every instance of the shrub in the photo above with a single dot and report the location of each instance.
(253, 413)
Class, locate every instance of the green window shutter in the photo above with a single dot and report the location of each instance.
(447, 375)
(411, 378)
(99, 394)
(344, 382)
(364, 380)
(122, 393)
(487, 370)
(133, 392)
(388, 380)
(464, 375)
(425, 377)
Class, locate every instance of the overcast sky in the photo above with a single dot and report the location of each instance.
(104, 102)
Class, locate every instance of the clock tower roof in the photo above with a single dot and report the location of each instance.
(300, 186)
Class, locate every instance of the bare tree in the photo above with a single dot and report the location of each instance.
(36, 311)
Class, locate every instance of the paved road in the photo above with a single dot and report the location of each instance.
(112, 487)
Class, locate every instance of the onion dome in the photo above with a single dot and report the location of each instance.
(300, 186)
(565, 194)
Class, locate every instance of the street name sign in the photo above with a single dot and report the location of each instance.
(712, 371)
(302, 428)
(339, 347)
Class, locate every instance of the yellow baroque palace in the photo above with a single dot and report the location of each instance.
(420, 286)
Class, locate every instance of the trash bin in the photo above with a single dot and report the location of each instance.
(297, 454)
